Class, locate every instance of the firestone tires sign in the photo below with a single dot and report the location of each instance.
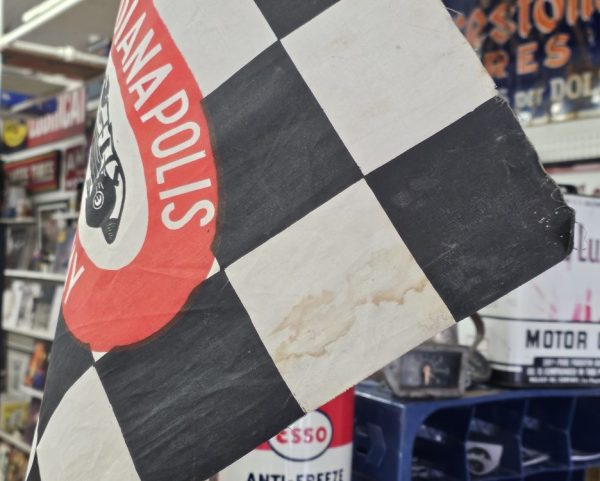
(542, 54)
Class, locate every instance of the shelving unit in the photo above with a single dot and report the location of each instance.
(17, 220)
(43, 149)
(43, 57)
(66, 216)
(29, 333)
(16, 442)
(34, 393)
(34, 276)
(51, 203)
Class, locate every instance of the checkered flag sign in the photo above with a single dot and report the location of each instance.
(283, 196)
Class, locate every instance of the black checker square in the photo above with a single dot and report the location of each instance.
(447, 203)
(285, 16)
(277, 155)
(212, 357)
(34, 472)
(69, 359)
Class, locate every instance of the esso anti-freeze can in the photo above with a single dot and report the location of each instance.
(317, 447)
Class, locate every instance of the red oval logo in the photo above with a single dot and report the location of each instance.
(306, 439)
(150, 199)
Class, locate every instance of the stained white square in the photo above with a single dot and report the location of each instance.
(83, 440)
(337, 295)
(388, 73)
(216, 37)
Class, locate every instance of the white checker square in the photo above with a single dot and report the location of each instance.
(216, 37)
(322, 336)
(415, 71)
(83, 440)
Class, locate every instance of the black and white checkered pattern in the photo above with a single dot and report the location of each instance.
(372, 189)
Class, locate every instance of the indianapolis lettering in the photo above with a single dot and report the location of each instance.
(180, 142)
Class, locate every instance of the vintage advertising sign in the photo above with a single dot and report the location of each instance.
(548, 331)
(75, 166)
(14, 135)
(317, 447)
(544, 55)
(259, 231)
(37, 174)
(66, 120)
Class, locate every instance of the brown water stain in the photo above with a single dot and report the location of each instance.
(309, 328)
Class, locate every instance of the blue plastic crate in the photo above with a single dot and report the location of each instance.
(391, 433)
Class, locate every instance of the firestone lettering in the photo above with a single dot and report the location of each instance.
(524, 19)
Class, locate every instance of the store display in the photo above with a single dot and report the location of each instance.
(75, 167)
(317, 447)
(17, 362)
(4, 457)
(17, 204)
(31, 307)
(41, 177)
(32, 420)
(64, 243)
(20, 242)
(13, 413)
(250, 209)
(35, 376)
(37, 174)
(20, 299)
(50, 232)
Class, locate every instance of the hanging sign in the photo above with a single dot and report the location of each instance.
(37, 174)
(75, 166)
(67, 120)
(544, 55)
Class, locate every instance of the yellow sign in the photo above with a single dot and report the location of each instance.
(14, 133)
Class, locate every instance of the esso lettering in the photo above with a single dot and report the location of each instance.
(306, 439)
(303, 435)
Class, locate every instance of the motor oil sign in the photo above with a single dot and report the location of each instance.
(317, 447)
(547, 332)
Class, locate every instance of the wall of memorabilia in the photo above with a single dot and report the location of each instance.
(44, 167)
